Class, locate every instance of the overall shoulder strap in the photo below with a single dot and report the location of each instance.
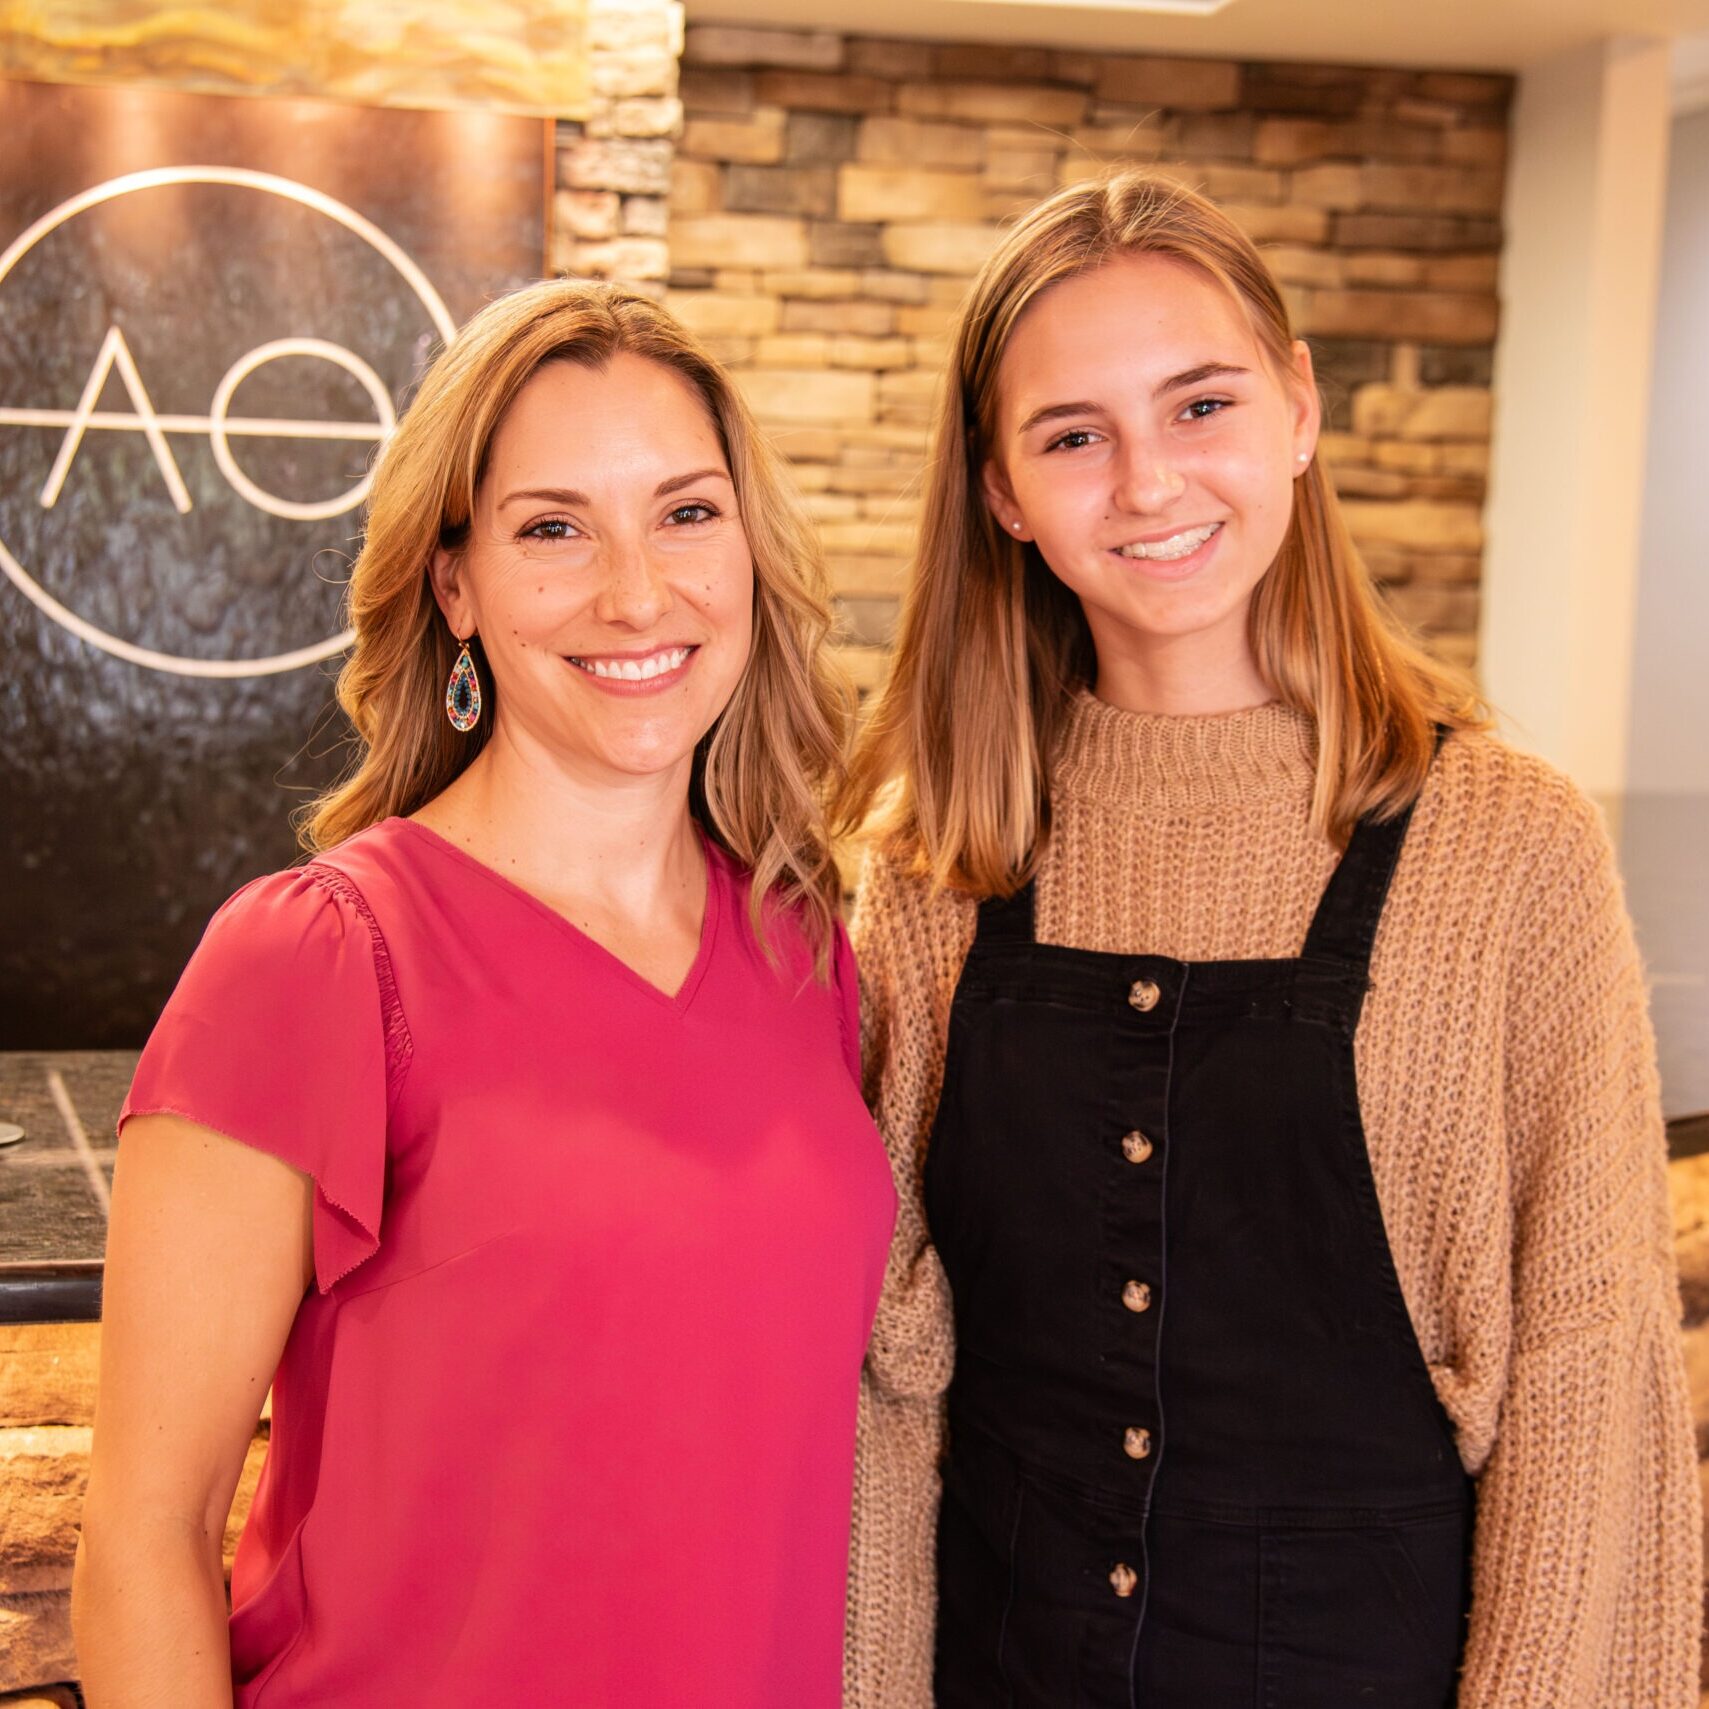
(1344, 928)
(1005, 920)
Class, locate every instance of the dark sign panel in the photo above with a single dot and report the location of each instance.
(211, 312)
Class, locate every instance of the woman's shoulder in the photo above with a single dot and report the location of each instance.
(331, 884)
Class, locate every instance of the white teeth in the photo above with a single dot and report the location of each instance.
(637, 670)
(1176, 546)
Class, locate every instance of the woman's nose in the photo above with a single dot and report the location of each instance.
(634, 592)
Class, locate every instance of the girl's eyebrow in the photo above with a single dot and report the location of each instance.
(1176, 382)
(1194, 376)
(1051, 411)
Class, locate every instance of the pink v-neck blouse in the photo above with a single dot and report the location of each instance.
(569, 1418)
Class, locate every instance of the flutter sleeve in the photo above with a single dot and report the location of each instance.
(285, 1033)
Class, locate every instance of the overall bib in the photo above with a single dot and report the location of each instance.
(1195, 1458)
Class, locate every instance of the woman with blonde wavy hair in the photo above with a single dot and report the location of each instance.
(515, 1138)
(1281, 1315)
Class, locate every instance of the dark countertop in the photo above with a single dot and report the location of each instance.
(1664, 856)
(53, 1216)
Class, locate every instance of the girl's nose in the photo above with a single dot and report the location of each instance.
(1149, 482)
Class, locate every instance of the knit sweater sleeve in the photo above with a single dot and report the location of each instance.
(910, 947)
(1587, 1565)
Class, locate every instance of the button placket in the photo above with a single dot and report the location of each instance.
(1151, 998)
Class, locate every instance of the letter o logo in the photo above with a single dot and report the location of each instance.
(218, 424)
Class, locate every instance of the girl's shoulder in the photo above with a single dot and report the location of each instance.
(907, 931)
(892, 894)
(1482, 785)
(1503, 835)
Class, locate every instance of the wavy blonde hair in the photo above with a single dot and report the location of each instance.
(951, 768)
(763, 773)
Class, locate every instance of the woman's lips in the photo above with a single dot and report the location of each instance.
(635, 673)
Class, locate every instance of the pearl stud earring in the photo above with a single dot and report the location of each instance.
(1304, 457)
(1016, 526)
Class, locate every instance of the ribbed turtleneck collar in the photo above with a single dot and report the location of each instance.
(1117, 758)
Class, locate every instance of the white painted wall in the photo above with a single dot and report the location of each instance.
(1668, 745)
(1572, 381)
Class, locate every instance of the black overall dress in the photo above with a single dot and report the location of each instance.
(1195, 1460)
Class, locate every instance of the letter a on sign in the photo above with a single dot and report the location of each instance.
(115, 353)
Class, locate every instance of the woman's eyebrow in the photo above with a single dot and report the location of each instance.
(677, 482)
(568, 497)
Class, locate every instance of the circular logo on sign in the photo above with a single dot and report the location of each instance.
(187, 431)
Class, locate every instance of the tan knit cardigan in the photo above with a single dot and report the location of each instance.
(1507, 1082)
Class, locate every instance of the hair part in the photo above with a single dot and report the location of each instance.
(764, 772)
(951, 768)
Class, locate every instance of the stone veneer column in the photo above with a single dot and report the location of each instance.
(832, 195)
(609, 209)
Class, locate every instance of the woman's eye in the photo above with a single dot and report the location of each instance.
(1072, 440)
(691, 513)
(1201, 409)
(552, 528)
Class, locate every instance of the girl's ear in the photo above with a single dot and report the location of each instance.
(1000, 499)
(446, 574)
(1308, 406)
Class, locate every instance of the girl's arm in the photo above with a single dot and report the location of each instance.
(1588, 1569)
(208, 1257)
(910, 948)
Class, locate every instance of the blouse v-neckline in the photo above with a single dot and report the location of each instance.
(677, 1001)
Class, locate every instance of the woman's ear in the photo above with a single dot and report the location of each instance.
(1000, 500)
(446, 574)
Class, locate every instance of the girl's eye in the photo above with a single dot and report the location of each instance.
(1072, 440)
(1201, 409)
(552, 528)
(686, 514)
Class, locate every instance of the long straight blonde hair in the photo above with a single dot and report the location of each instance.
(951, 768)
(764, 772)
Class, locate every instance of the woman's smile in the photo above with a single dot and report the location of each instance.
(631, 673)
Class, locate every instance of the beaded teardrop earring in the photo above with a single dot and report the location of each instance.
(463, 693)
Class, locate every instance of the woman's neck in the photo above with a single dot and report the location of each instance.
(628, 844)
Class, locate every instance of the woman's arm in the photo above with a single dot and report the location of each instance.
(1587, 1571)
(208, 1256)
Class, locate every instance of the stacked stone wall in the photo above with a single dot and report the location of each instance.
(612, 171)
(831, 196)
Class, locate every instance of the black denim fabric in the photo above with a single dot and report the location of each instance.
(1298, 1530)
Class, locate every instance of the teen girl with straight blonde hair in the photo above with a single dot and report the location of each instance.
(513, 1139)
(1282, 1301)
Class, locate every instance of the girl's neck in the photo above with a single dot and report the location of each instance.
(1180, 676)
